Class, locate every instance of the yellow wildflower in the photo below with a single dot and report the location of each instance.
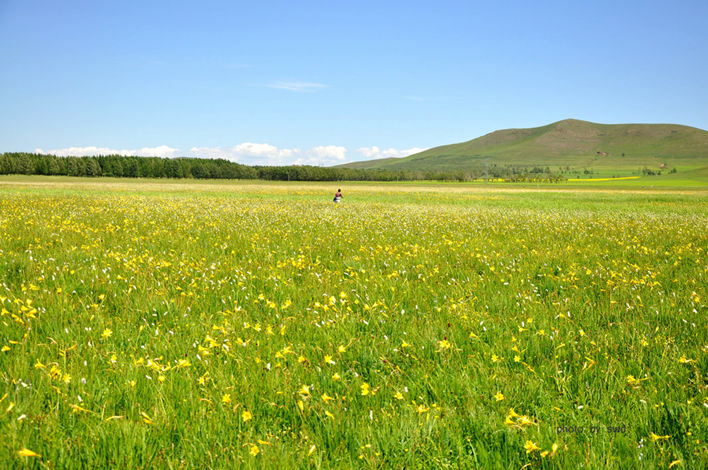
(422, 409)
(530, 446)
(326, 398)
(24, 452)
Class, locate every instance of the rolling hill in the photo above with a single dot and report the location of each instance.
(570, 145)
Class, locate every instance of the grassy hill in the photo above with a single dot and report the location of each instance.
(570, 145)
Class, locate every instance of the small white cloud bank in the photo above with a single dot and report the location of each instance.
(374, 153)
(90, 151)
(250, 153)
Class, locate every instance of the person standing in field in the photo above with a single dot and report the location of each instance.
(338, 196)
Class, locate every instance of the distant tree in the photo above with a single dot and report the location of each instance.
(92, 168)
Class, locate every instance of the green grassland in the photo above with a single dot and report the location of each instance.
(175, 324)
(607, 149)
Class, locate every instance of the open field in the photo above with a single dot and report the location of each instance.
(185, 324)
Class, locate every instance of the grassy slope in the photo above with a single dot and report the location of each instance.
(568, 143)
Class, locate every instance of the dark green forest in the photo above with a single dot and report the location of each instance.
(201, 168)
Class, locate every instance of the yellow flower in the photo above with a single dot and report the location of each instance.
(27, 453)
(553, 450)
(398, 396)
(146, 418)
(336, 376)
(326, 397)
(365, 389)
(246, 416)
(304, 391)
(530, 446)
(54, 372)
(499, 396)
(77, 409)
(444, 344)
(634, 382)
(341, 349)
(106, 333)
(525, 421)
(656, 437)
(254, 450)
(422, 409)
(517, 358)
(226, 398)
(495, 358)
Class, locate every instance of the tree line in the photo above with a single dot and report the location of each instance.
(157, 167)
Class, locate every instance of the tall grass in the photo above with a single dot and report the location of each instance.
(207, 329)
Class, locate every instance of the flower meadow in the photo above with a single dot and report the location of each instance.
(209, 329)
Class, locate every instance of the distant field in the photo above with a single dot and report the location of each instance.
(226, 324)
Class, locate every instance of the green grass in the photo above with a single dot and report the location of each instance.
(142, 318)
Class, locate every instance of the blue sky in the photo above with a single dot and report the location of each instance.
(326, 82)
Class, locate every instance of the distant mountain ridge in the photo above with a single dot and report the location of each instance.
(570, 143)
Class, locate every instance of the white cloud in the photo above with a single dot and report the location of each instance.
(301, 87)
(250, 153)
(160, 151)
(371, 153)
(330, 151)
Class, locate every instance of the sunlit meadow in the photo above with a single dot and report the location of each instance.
(245, 325)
